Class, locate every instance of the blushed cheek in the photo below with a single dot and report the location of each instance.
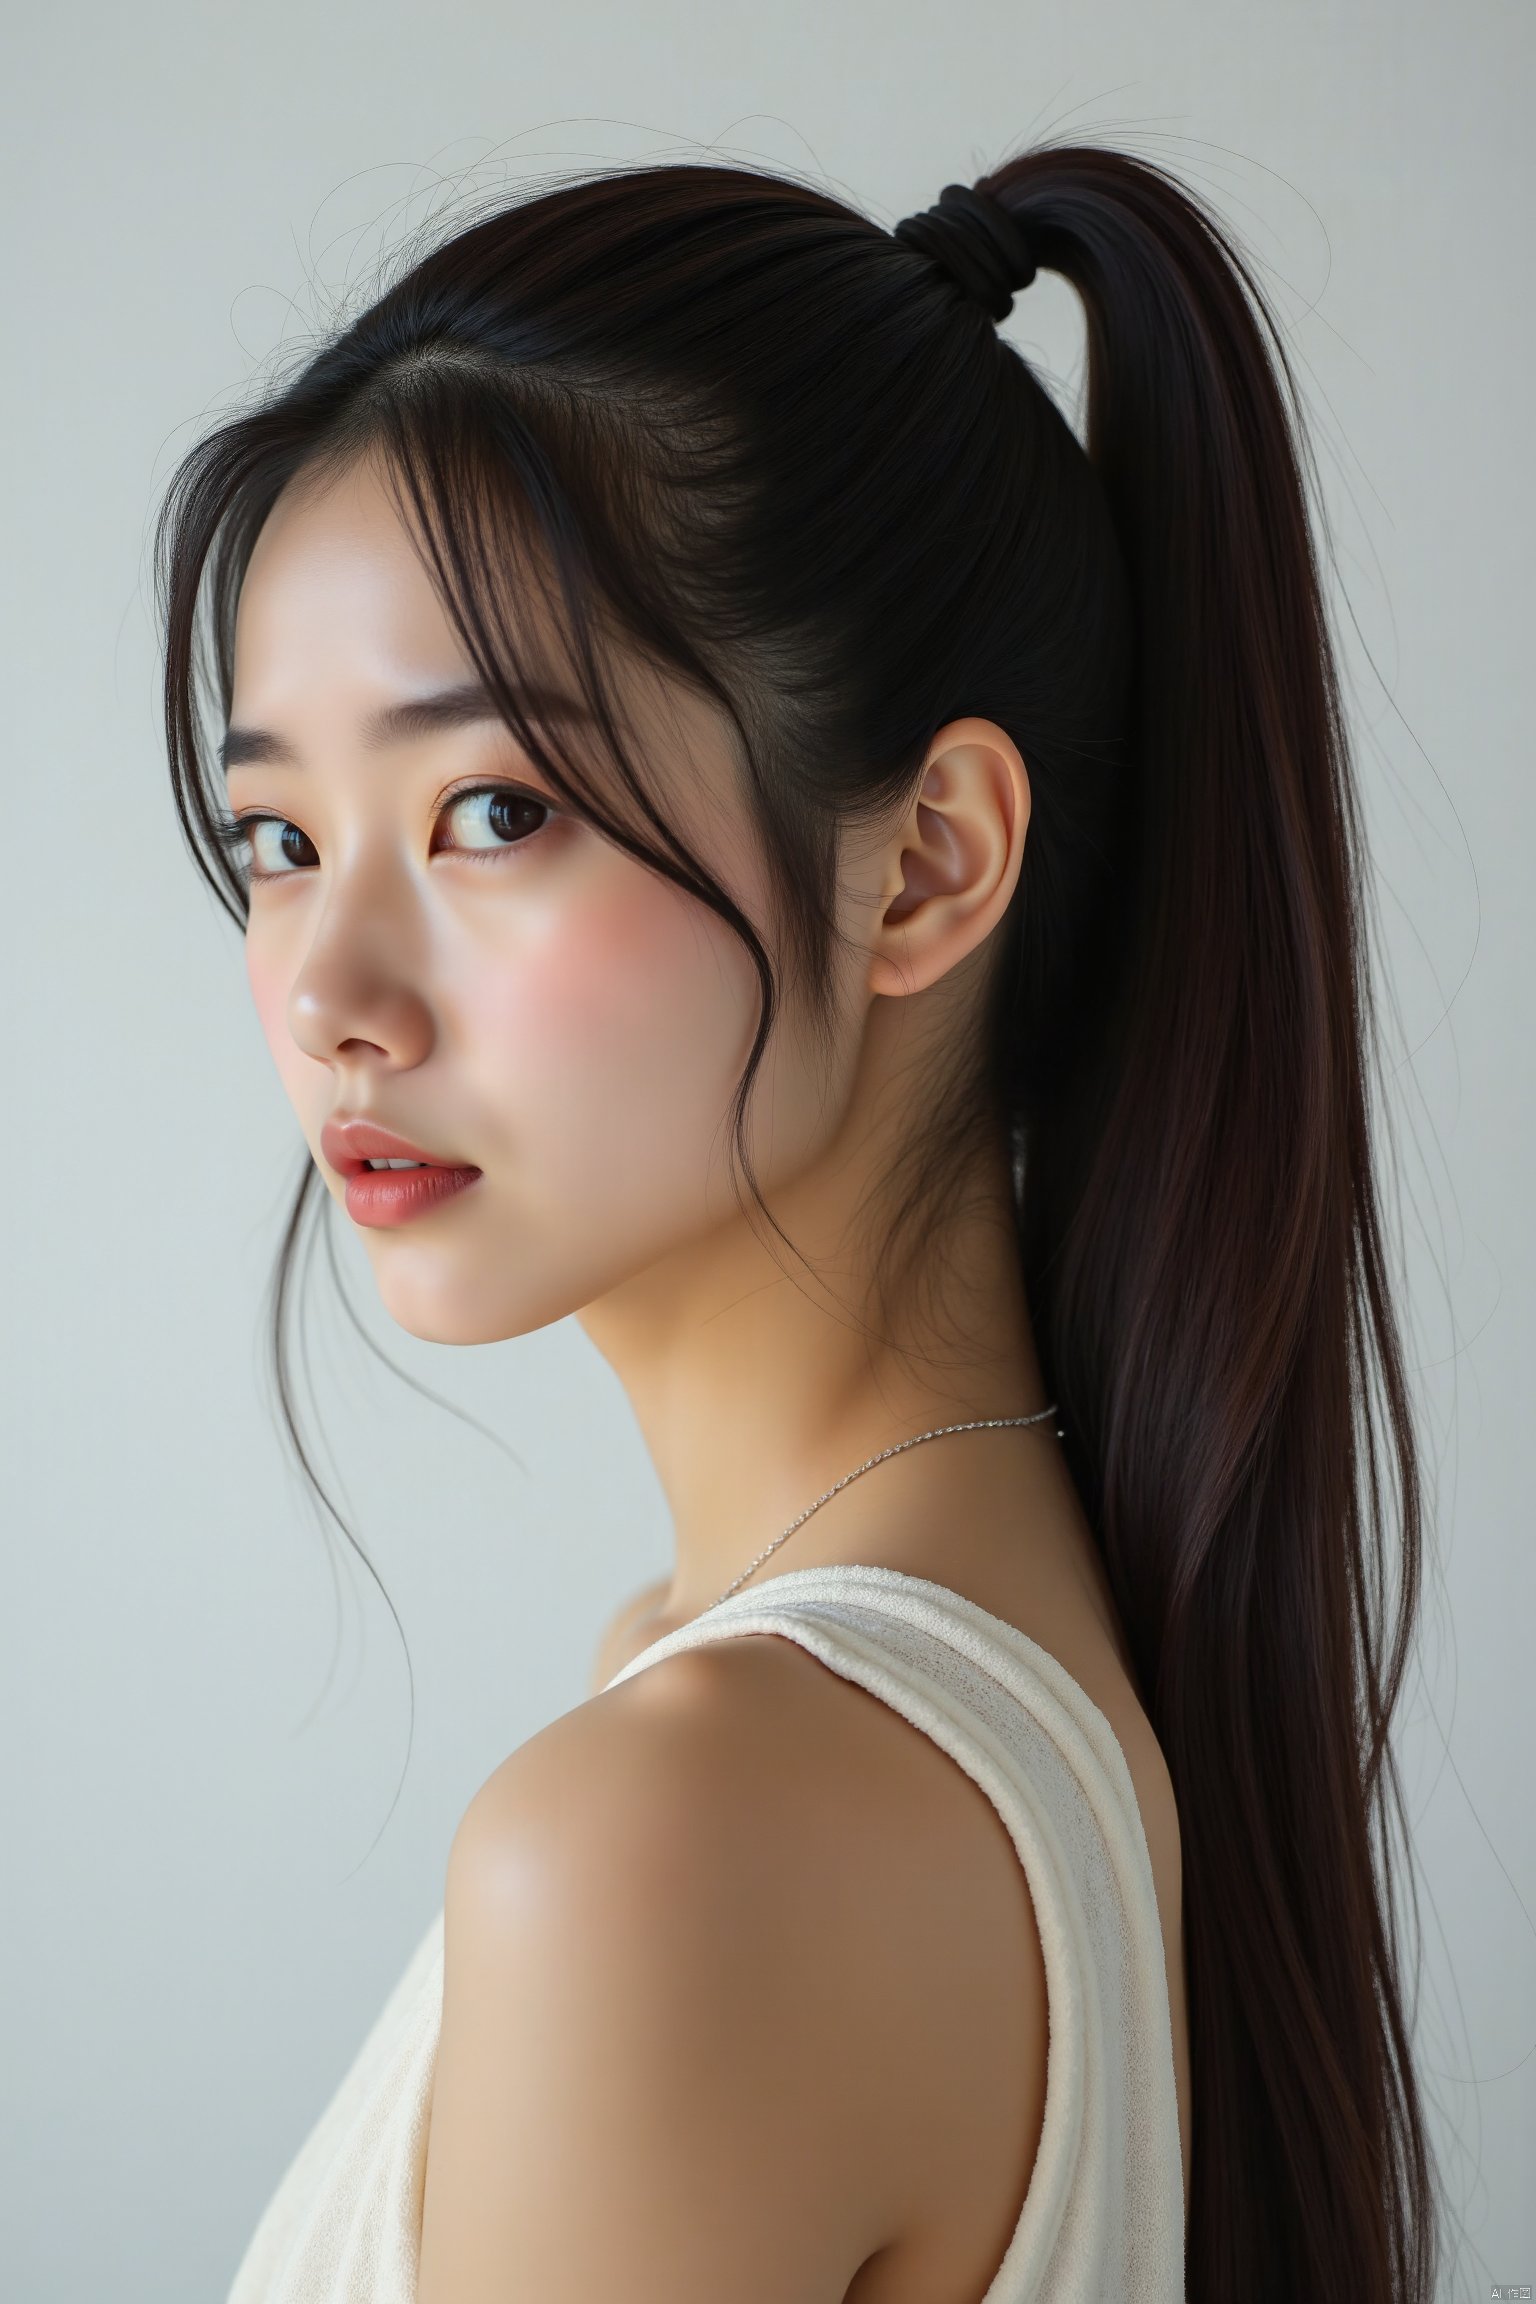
(619, 1031)
(268, 977)
(262, 978)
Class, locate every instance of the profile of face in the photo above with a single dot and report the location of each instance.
(436, 945)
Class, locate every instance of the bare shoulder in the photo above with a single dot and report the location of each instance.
(728, 1950)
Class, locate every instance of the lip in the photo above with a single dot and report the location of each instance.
(350, 1144)
(387, 1197)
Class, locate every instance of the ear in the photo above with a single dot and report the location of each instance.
(950, 865)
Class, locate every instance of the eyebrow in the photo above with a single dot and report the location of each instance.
(459, 707)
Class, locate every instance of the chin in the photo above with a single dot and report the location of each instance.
(425, 1296)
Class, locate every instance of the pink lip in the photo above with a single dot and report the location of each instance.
(384, 1197)
(350, 1144)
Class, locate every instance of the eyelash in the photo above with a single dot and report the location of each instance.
(233, 833)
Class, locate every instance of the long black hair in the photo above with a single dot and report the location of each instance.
(731, 422)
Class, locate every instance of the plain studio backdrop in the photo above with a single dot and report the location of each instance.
(211, 1883)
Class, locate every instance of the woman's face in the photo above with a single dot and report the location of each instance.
(475, 970)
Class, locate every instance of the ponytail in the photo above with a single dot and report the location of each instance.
(1204, 1266)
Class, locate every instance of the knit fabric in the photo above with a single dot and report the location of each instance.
(1103, 2216)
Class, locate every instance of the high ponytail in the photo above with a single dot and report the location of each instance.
(1205, 1270)
(790, 461)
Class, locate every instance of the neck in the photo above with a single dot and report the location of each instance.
(757, 1384)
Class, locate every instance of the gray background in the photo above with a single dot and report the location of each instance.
(207, 1895)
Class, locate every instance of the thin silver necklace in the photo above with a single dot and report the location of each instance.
(982, 1424)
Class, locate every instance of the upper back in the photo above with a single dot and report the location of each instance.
(1071, 1619)
(977, 1942)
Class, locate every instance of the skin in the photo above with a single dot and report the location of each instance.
(736, 1833)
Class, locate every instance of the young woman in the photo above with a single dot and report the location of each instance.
(855, 894)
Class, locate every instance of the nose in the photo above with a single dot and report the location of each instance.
(358, 991)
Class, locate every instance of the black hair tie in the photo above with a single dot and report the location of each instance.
(985, 251)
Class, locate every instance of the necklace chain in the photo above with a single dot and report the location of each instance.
(981, 1424)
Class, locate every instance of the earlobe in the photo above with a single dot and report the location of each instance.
(955, 857)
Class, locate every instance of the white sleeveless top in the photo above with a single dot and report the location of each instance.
(1104, 2213)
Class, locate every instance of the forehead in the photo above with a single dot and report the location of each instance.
(336, 587)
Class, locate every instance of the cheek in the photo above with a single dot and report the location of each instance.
(267, 992)
(619, 1031)
(270, 974)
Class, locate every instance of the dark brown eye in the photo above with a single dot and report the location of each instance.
(494, 817)
(266, 847)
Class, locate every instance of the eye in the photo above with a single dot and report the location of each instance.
(494, 817)
(263, 846)
(491, 820)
